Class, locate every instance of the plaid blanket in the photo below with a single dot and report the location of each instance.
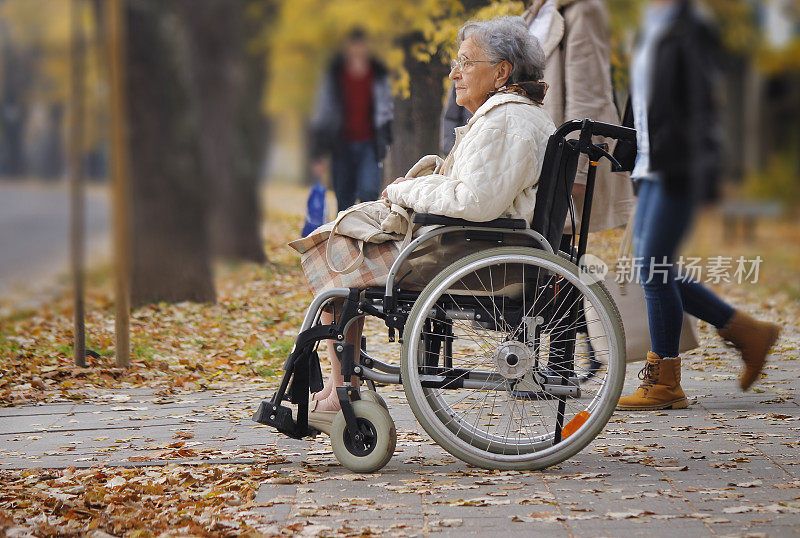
(378, 260)
(419, 269)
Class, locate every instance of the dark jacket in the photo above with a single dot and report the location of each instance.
(685, 134)
(327, 122)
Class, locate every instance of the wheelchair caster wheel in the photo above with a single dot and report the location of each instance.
(377, 438)
(372, 396)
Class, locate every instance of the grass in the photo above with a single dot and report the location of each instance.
(142, 350)
(8, 346)
(264, 357)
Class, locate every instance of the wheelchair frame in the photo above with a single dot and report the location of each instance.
(393, 305)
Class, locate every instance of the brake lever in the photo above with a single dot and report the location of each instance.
(615, 164)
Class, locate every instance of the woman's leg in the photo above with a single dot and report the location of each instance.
(662, 222)
(662, 240)
(644, 199)
(327, 396)
(702, 303)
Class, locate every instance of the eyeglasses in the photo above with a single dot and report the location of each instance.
(463, 64)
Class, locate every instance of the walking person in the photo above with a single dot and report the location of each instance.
(576, 39)
(352, 122)
(673, 109)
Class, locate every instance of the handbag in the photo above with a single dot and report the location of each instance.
(370, 222)
(630, 301)
(376, 221)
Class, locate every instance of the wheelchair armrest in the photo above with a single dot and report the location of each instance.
(509, 224)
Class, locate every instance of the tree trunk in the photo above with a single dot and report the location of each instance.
(228, 85)
(170, 246)
(416, 123)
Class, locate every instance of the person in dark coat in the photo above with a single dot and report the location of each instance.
(352, 122)
(674, 107)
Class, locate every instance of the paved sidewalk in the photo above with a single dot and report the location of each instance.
(728, 465)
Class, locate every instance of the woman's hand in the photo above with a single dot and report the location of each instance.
(398, 180)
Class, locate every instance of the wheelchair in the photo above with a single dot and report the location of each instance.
(497, 363)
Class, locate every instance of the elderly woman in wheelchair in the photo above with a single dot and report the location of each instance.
(498, 314)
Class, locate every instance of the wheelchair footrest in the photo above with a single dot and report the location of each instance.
(280, 418)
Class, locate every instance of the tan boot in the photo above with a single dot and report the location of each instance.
(660, 388)
(753, 338)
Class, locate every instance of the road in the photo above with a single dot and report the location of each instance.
(34, 234)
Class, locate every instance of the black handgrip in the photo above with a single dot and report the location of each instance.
(598, 128)
(613, 131)
(567, 128)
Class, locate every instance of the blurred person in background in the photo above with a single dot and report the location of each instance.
(673, 107)
(352, 122)
(575, 36)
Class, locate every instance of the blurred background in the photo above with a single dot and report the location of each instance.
(217, 99)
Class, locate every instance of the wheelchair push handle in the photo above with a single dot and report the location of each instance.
(617, 132)
(589, 128)
(596, 128)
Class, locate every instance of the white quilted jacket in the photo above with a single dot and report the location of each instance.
(493, 169)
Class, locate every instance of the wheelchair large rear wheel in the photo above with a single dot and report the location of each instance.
(489, 362)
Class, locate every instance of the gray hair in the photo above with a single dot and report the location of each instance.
(508, 38)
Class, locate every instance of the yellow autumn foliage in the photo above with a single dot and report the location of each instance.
(304, 34)
(308, 32)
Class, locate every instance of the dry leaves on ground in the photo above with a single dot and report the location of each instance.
(245, 336)
(202, 500)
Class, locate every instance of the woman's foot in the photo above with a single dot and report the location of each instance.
(753, 338)
(328, 389)
(320, 419)
(323, 394)
(660, 388)
(329, 404)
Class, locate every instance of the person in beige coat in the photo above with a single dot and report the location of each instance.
(576, 42)
(575, 38)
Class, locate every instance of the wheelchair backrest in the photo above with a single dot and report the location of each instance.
(561, 164)
(555, 186)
